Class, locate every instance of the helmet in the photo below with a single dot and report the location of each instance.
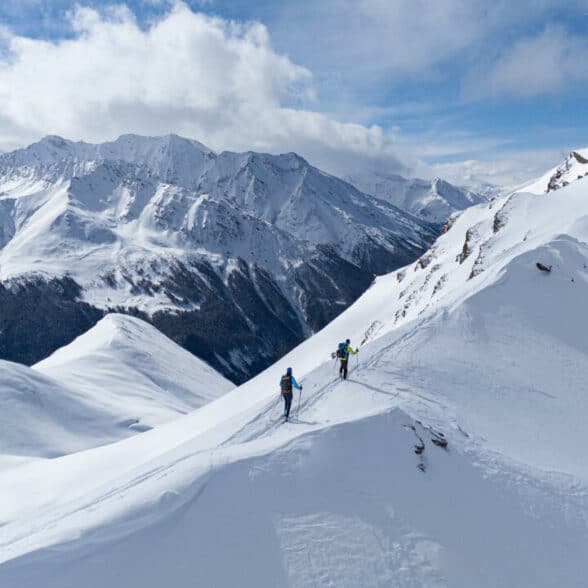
(347, 340)
(289, 371)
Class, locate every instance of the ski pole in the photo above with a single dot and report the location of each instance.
(299, 399)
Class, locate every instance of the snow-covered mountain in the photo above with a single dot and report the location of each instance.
(573, 168)
(121, 377)
(265, 248)
(473, 341)
(432, 200)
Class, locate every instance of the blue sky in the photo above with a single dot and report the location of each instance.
(468, 89)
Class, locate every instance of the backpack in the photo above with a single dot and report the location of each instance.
(286, 384)
(342, 351)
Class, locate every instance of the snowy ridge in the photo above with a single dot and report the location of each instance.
(573, 168)
(125, 358)
(434, 201)
(119, 378)
(467, 340)
(170, 157)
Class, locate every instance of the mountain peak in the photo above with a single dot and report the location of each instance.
(54, 140)
(170, 140)
(580, 156)
(173, 158)
(572, 168)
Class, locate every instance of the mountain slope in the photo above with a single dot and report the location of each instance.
(119, 378)
(434, 201)
(467, 340)
(266, 247)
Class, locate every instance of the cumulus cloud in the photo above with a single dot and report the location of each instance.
(548, 62)
(215, 80)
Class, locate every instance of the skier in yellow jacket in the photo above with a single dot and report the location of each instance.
(343, 352)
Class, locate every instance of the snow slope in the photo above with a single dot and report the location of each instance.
(119, 378)
(39, 417)
(434, 201)
(472, 340)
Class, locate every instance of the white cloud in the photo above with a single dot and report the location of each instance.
(545, 63)
(224, 84)
(354, 44)
(541, 64)
(218, 81)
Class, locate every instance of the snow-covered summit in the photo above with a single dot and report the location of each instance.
(166, 155)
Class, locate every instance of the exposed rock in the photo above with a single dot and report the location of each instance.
(467, 246)
(542, 267)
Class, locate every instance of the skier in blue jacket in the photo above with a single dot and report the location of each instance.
(287, 383)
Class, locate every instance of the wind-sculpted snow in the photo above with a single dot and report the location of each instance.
(148, 225)
(42, 418)
(496, 359)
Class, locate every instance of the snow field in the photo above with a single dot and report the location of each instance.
(495, 359)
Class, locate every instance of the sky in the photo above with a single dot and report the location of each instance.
(470, 90)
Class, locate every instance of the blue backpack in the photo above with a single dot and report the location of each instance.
(342, 351)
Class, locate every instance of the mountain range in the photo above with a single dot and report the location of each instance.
(236, 256)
